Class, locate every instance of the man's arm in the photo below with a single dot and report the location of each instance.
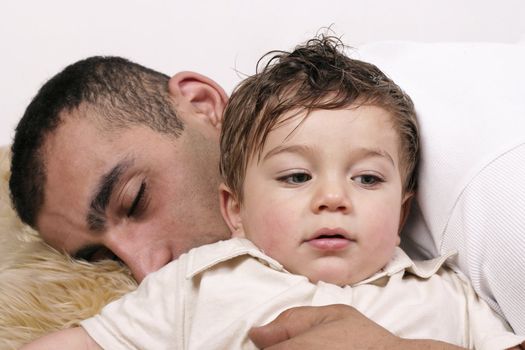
(333, 327)
(71, 338)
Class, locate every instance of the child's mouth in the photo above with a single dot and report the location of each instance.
(330, 240)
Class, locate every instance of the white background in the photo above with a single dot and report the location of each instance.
(217, 37)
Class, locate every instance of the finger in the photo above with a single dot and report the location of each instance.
(266, 336)
(293, 322)
(300, 342)
(282, 328)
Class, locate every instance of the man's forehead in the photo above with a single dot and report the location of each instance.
(74, 162)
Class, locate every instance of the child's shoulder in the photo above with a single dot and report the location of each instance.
(439, 272)
(208, 256)
(431, 267)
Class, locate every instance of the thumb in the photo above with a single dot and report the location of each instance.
(268, 335)
(292, 323)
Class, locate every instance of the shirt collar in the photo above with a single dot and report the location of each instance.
(207, 256)
(401, 262)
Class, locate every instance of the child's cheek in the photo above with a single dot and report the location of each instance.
(386, 226)
(275, 227)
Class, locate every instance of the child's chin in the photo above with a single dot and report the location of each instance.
(332, 274)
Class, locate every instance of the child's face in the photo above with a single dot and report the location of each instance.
(326, 198)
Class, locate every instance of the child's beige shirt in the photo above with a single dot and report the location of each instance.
(210, 297)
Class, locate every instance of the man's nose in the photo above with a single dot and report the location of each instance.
(332, 196)
(141, 260)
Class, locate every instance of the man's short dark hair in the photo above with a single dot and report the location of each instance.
(116, 92)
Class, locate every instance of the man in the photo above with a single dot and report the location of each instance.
(113, 159)
(107, 161)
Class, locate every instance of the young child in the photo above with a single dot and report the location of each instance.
(318, 156)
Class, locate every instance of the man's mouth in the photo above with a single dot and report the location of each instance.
(330, 239)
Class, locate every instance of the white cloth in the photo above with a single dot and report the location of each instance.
(470, 100)
(210, 297)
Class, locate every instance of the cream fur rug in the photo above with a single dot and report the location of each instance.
(42, 290)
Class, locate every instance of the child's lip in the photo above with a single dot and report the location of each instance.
(331, 232)
(330, 239)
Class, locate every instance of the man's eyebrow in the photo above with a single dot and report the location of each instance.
(96, 217)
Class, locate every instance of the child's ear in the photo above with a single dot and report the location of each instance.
(205, 95)
(405, 209)
(231, 210)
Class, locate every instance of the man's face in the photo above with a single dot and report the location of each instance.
(141, 195)
(325, 197)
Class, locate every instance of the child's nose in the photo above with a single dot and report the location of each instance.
(331, 197)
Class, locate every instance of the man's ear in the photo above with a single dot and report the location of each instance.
(405, 209)
(205, 95)
(231, 210)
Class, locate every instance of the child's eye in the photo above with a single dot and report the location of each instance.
(296, 178)
(368, 180)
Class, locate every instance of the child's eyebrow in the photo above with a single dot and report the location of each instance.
(301, 149)
(359, 153)
(365, 152)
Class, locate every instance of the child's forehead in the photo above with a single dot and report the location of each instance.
(284, 126)
(296, 122)
(298, 116)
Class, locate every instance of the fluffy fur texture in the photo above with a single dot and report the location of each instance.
(42, 290)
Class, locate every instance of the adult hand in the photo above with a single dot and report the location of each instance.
(325, 327)
(331, 327)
